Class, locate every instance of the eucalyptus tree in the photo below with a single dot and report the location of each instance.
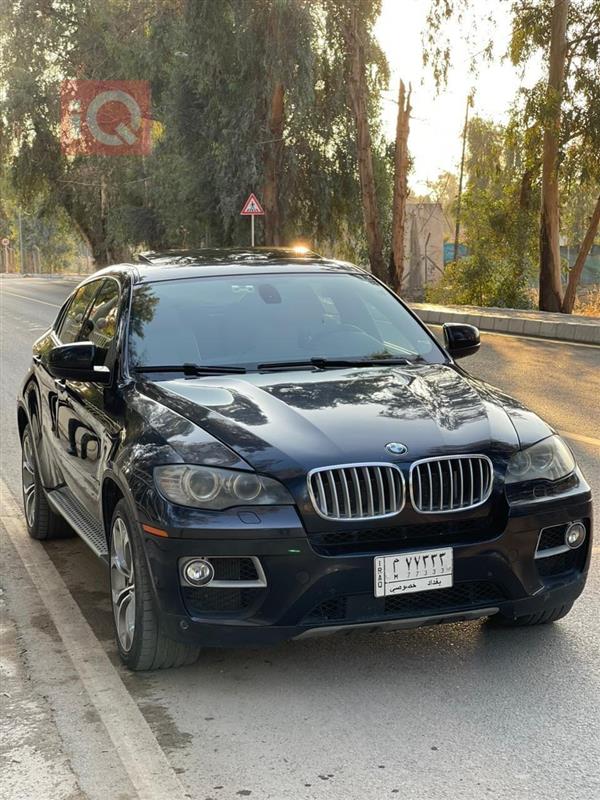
(559, 115)
(246, 95)
(349, 32)
(567, 110)
(44, 44)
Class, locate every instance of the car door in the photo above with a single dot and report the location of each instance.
(65, 330)
(86, 423)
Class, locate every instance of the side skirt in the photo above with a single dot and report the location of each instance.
(83, 523)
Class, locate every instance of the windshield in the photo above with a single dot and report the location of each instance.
(250, 320)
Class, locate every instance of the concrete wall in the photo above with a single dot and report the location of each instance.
(423, 247)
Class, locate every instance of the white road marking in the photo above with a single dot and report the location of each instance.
(579, 437)
(26, 297)
(141, 755)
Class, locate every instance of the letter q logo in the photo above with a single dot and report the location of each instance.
(105, 117)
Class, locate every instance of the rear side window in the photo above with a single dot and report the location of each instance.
(70, 326)
(100, 323)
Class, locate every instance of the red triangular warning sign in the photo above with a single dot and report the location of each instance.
(252, 207)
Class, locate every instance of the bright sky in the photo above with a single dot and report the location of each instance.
(437, 120)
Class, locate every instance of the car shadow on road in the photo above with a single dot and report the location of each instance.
(460, 660)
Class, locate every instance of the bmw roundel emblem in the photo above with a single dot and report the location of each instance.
(397, 448)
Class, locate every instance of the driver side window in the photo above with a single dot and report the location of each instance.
(100, 323)
(71, 323)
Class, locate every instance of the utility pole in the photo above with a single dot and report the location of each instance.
(21, 248)
(460, 180)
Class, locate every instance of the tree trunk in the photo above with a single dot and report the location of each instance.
(358, 96)
(272, 165)
(523, 222)
(575, 273)
(400, 189)
(550, 283)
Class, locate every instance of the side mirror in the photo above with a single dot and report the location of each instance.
(461, 340)
(75, 362)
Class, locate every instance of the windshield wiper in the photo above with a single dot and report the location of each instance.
(337, 363)
(193, 369)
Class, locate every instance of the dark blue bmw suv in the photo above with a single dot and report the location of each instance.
(267, 444)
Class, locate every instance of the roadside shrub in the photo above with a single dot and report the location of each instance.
(588, 301)
(481, 280)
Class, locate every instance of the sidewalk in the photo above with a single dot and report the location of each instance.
(565, 327)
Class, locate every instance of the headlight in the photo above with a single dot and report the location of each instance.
(215, 488)
(549, 459)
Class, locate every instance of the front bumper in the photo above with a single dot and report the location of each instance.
(309, 593)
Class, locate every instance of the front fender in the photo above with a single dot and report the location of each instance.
(30, 404)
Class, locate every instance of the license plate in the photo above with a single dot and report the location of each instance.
(419, 571)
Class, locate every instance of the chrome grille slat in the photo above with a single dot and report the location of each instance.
(472, 480)
(370, 502)
(321, 490)
(347, 506)
(451, 483)
(357, 491)
(430, 486)
(334, 494)
(392, 487)
(380, 492)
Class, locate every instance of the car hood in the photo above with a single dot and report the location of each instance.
(284, 424)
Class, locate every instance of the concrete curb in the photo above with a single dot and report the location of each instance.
(565, 327)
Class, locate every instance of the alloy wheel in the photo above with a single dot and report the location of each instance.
(122, 583)
(28, 478)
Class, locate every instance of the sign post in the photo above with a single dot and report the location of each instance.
(252, 208)
(5, 245)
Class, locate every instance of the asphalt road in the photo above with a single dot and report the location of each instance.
(461, 711)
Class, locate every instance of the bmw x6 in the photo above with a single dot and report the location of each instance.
(267, 445)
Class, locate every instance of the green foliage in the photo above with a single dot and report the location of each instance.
(505, 225)
(580, 102)
(48, 240)
(482, 280)
(500, 222)
(212, 66)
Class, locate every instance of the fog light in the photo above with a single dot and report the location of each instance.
(575, 535)
(198, 572)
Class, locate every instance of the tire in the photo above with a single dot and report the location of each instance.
(42, 522)
(141, 644)
(540, 618)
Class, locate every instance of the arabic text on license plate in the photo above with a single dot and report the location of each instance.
(418, 571)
